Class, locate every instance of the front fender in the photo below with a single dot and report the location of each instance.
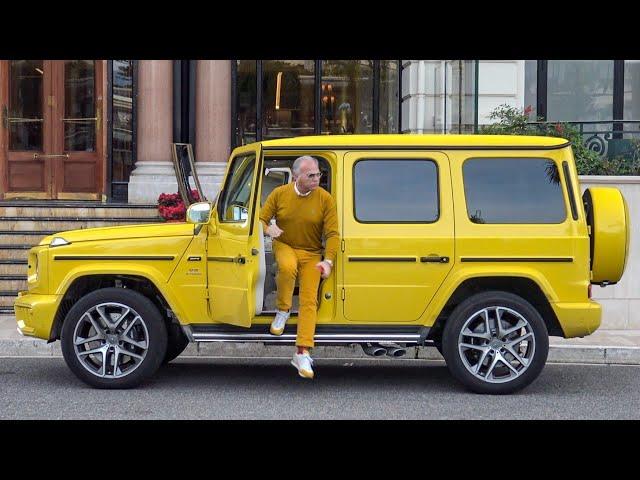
(148, 272)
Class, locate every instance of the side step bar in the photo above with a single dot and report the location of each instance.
(325, 335)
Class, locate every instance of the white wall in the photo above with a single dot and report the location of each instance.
(426, 95)
(500, 82)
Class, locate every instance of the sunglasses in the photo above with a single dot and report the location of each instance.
(314, 175)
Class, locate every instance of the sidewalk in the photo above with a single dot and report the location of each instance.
(602, 347)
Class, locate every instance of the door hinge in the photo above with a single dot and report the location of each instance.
(342, 245)
(343, 295)
(51, 101)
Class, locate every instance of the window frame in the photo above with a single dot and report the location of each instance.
(224, 191)
(396, 222)
(561, 189)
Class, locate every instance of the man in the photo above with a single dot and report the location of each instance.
(304, 213)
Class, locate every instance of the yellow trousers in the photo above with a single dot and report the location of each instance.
(294, 263)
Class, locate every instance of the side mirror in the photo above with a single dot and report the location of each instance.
(199, 213)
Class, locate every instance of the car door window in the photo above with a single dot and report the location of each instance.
(236, 195)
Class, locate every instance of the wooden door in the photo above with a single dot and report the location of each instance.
(52, 134)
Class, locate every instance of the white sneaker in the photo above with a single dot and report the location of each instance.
(303, 362)
(277, 326)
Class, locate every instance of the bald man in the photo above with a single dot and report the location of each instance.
(304, 213)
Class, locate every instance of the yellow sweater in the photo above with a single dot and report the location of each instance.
(304, 220)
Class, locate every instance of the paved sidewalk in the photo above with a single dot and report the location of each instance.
(602, 347)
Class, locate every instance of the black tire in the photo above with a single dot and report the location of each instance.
(153, 333)
(536, 352)
(176, 343)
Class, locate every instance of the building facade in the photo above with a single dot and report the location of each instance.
(101, 130)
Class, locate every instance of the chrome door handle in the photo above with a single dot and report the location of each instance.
(434, 259)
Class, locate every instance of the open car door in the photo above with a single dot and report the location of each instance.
(234, 253)
(184, 165)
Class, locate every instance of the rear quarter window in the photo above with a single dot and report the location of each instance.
(513, 190)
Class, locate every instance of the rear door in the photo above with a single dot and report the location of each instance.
(398, 233)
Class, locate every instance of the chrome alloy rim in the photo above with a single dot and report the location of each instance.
(111, 340)
(496, 344)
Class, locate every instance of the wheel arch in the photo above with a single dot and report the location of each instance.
(85, 284)
(524, 287)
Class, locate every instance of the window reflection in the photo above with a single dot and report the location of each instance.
(288, 98)
(388, 112)
(246, 102)
(632, 90)
(346, 96)
(415, 197)
(25, 104)
(513, 190)
(122, 144)
(289, 94)
(80, 108)
(580, 90)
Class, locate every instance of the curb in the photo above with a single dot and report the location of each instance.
(606, 355)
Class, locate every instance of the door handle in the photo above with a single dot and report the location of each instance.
(434, 259)
(255, 251)
(38, 155)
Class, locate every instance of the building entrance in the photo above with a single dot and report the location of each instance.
(51, 132)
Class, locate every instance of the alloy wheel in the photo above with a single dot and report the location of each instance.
(111, 340)
(496, 344)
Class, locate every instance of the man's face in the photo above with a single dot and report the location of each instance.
(308, 177)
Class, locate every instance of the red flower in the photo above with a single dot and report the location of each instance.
(559, 128)
(528, 110)
(171, 205)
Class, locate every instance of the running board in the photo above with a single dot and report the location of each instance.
(325, 334)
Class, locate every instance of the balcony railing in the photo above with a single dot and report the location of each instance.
(609, 138)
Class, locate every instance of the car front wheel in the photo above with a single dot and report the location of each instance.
(114, 338)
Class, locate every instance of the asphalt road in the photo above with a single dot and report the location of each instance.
(250, 388)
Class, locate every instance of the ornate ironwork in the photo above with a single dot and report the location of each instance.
(608, 138)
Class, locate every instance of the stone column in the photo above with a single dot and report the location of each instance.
(213, 123)
(154, 172)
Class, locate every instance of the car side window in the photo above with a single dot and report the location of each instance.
(513, 190)
(236, 194)
(396, 191)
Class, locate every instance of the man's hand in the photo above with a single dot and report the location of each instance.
(325, 268)
(274, 231)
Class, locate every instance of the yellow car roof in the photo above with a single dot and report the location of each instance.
(417, 140)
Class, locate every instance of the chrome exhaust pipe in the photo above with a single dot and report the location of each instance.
(373, 349)
(396, 352)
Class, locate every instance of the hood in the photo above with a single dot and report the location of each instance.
(153, 230)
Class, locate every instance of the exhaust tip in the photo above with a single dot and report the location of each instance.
(373, 350)
(396, 352)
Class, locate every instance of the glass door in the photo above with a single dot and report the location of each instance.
(51, 129)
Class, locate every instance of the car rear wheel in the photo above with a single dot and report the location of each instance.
(113, 338)
(495, 343)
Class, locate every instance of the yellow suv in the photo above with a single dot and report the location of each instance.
(480, 246)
